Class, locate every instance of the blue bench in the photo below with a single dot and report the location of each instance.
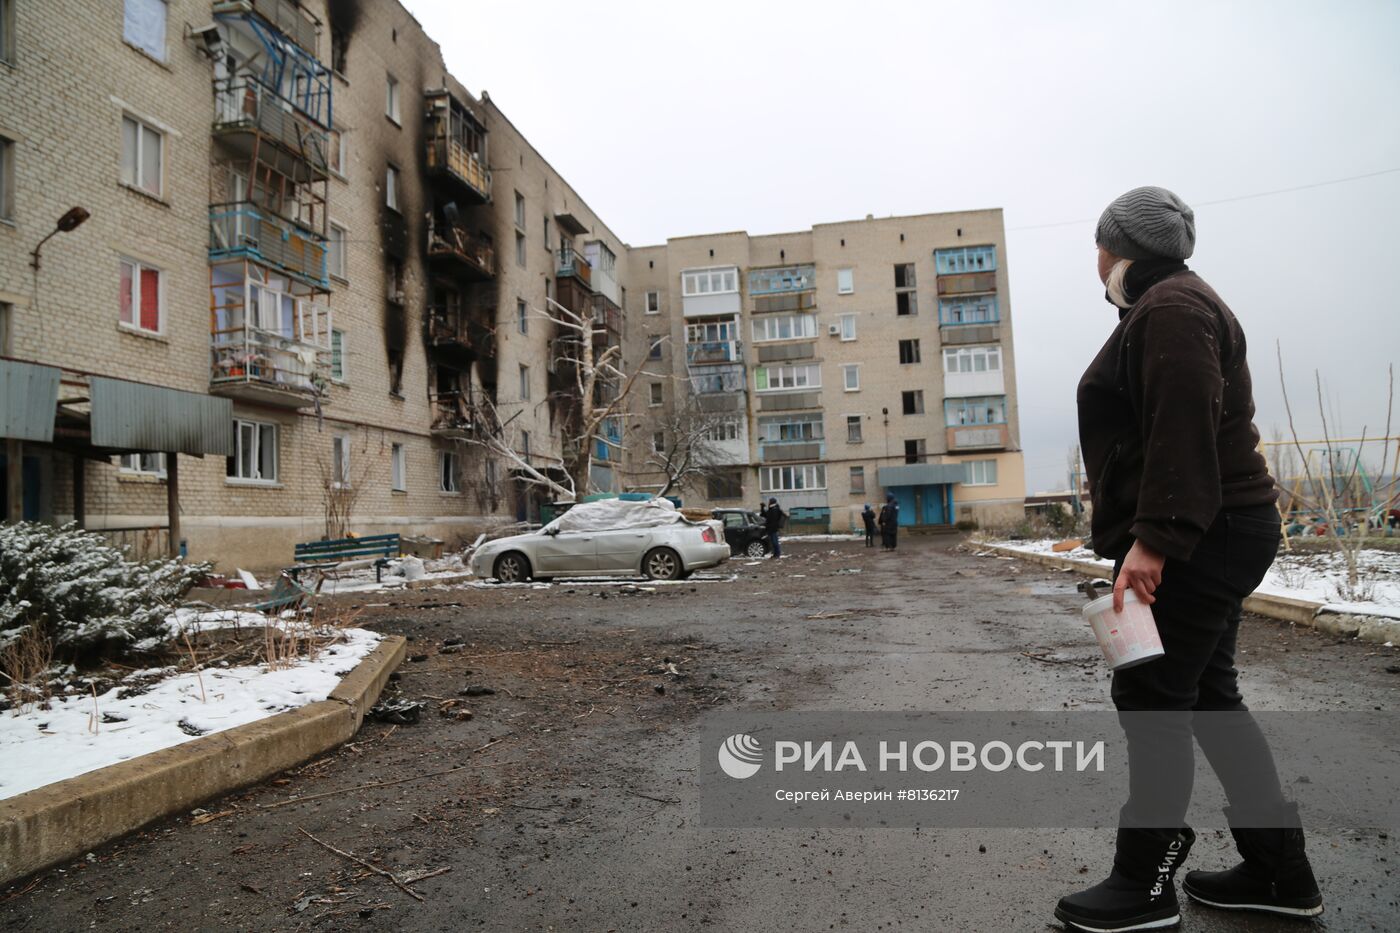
(371, 548)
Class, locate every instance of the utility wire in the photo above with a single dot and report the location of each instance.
(1242, 197)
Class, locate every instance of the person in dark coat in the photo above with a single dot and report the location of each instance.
(773, 520)
(868, 516)
(889, 523)
(1185, 507)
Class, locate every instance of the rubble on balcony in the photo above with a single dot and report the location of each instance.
(473, 253)
(456, 145)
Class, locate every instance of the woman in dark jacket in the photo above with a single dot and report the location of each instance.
(1184, 505)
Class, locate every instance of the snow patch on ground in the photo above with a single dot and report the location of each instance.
(43, 746)
(1313, 577)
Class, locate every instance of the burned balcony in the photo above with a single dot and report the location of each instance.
(607, 322)
(471, 253)
(456, 414)
(242, 230)
(248, 113)
(452, 327)
(573, 265)
(456, 145)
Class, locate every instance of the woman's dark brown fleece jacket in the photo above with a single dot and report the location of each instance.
(1166, 415)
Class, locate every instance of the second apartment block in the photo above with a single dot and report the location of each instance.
(841, 363)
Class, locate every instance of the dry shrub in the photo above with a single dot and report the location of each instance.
(25, 663)
(303, 636)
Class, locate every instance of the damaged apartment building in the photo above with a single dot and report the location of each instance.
(268, 271)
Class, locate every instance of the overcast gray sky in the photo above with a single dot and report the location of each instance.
(680, 118)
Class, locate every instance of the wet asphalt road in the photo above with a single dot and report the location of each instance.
(583, 816)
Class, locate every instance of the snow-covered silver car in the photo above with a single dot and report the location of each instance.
(612, 540)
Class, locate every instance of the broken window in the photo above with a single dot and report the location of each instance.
(520, 210)
(447, 471)
(395, 372)
(858, 481)
(915, 452)
(340, 460)
(658, 442)
(906, 304)
(725, 484)
(656, 393)
(391, 187)
(398, 468)
(335, 251)
(340, 49)
(853, 430)
(140, 296)
(904, 275)
(143, 156)
(914, 402)
(909, 351)
(143, 25)
(520, 249)
(654, 348)
(254, 452)
(7, 173)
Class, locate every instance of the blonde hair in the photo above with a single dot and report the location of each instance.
(1116, 277)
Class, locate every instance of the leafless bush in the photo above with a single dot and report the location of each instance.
(25, 663)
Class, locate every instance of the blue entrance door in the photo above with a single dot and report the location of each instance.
(921, 505)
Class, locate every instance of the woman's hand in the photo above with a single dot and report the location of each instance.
(1141, 570)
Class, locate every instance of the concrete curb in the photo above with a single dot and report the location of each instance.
(65, 819)
(1378, 629)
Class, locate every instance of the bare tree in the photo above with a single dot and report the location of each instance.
(1341, 490)
(340, 492)
(691, 443)
(595, 389)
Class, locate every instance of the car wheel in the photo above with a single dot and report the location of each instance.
(755, 549)
(662, 564)
(512, 568)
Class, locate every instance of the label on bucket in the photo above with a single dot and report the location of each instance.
(1127, 638)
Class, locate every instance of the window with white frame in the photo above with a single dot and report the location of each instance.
(791, 429)
(340, 460)
(520, 210)
(657, 394)
(653, 303)
(447, 471)
(971, 309)
(857, 480)
(522, 317)
(519, 248)
(850, 376)
(719, 280)
(338, 153)
(398, 468)
(7, 174)
(784, 327)
(854, 434)
(723, 429)
(792, 478)
(144, 464)
(254, 457)
(712, 332)
(848, 327)
(391, 187)
(143, 156)
(143, 25)
(966, 259)
(972, 360)
(845, 281)
(336, 236)
(981, 473)
(775, 378)
(338, 355)
(142, 298)
(524, 383)
(391, 97)
(985, 410)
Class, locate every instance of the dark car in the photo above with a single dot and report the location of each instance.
(743, 532)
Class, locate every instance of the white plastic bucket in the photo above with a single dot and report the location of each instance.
(1128, 638)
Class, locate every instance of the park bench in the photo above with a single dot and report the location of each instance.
(344, 553)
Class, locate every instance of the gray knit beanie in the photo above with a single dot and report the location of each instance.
(1147, 223)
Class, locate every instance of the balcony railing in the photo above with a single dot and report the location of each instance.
(244, 104)
(607, 321)
(572, 263)
(265, 366)
(455, 159)
(286, 16)
(472, 250)
(456, 414)
(967, 283)
(784, 451)
(242, 230)
(978, 437)
(714, 351)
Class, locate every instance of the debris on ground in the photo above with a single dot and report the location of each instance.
(396, 712)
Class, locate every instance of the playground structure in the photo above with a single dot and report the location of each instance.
(1332, 492)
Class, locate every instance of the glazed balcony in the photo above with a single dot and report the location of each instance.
(607, 322)
(472, 253)
(241, 230)
(456, 146)
(244, 106)
(783, 280)
(979, 437)
(571, 264)
(791, 450)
